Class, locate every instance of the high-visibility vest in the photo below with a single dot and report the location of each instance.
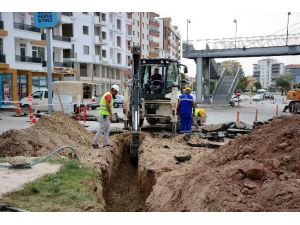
(103, 108)
(201, 111)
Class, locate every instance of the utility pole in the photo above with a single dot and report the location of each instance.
(287, 28)
(235, 21)
(187, 33)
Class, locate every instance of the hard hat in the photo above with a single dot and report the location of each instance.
(188, 89)
(115, 87)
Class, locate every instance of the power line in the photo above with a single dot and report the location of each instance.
(284, 29)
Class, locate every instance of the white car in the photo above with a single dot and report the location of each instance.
(257, 98)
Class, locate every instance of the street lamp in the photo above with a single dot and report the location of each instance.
(287, 28)
(187, 33)
(235, 21)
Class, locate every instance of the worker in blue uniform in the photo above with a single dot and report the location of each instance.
(186, 110)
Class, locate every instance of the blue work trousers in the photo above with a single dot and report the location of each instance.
(185, 123)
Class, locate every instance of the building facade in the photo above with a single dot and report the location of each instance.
(267, 71)
(88, 46)
(294, 70)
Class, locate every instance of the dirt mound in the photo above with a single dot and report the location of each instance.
(50, 132)
(255, 172)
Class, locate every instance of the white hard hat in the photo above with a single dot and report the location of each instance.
(116, 87)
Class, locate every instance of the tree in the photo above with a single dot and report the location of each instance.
(284, 82)
(242, 84)
(257, 85)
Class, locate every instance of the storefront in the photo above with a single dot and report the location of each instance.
(6, 89)
(18, 84)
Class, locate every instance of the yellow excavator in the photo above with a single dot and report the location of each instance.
(294, 104)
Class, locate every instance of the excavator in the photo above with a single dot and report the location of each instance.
(150, 99)
(294, 104)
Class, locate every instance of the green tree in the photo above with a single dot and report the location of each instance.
(283, 82)
(212, 86)
(257, 85)
(242, 84)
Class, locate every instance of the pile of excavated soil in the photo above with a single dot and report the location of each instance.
(51, 132)
(259, 171)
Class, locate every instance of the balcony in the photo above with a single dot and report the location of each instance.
(20, 58)
(67, 13)
(62, 64)
(27, 27)
(2, 59)
(1, 25)
(61, 38)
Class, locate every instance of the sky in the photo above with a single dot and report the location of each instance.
(205, 25)
(209, 19)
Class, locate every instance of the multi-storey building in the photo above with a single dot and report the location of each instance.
(89, 46)
(267, 70)
(294, 70)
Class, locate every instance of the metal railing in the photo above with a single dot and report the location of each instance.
(20, 58)
(62, 64)
(27, 27)
(246, 42)
(2, 59)
(61, 38)
(1, 25)
(67, 13)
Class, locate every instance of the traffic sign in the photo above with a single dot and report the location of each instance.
(29, 98)
(238, 94)
(46, 19)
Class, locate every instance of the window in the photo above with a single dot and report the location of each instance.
(103, 17)
(147, 37)
(34, 52)
(119, 61)
(119, 41)
(133, 32)
(103, 35)
(138, 22)
(104, 53)
(143, 25)
(85, 13)
(138, 33)
(119, 24)
(143, 35)
(85, 29)
(1, 46)
(86, 50)
(97, 30)
(143, 46)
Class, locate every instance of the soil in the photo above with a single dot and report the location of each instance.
(254, 172)
(259, 171)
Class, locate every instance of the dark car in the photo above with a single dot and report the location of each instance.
(268, 95)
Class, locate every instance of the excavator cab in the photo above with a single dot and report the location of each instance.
(158, 77)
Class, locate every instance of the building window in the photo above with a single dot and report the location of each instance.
(143, 46)
(147, 37)
(138, 23)
(104, 53)
(119, 41)
(138, 33)
(38, 52)
(119, 61)
(103, 35)
(103, 17)
(85, 13)
(86, 50)
(119, 24)
(85, 29)
(143, 25)
(143, 35)
(133, 33)
(1, 46)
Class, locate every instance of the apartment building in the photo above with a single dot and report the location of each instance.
(294, 70)
(89, 46)
(267, 71)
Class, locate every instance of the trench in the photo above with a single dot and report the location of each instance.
(127, 189)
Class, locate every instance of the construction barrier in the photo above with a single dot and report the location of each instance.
(256, 116)
(238, 116)
(277, 112)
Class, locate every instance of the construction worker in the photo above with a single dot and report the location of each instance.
(105, 112)
(199, 117)
(186, 109)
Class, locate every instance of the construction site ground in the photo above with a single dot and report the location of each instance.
(258, 171)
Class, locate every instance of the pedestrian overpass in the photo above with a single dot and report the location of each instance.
(206, 50)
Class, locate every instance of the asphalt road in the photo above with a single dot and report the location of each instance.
(215, 114)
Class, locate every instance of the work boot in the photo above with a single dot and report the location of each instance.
(95, 146)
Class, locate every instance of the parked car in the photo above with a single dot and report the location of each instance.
(235, 98)
(268, 95)
(39, 100)
(118, 101)
(257, 98)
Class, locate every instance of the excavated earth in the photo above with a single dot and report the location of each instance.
(254, 172)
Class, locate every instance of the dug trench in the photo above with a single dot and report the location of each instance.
(126, 189)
